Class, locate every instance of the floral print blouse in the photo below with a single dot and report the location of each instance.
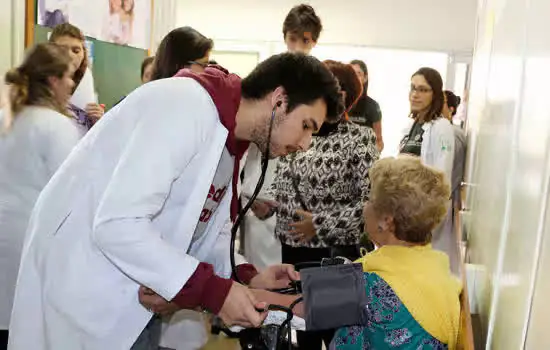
(332, 182)
(389, 324)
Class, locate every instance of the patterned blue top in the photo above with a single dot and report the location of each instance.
(389, 324)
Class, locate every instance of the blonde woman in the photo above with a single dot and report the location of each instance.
(412, 297)
(36, 136)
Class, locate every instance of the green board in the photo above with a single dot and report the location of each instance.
(116, 68)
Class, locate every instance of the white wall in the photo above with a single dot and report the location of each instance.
(509, 126)
(435, 25)
(12, 34)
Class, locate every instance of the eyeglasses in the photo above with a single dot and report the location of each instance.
(420, 89)
(202, 64)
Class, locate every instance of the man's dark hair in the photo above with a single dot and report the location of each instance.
(178, 49)
(452, 100)
(301, 19)
(146, 62)
(304, 79)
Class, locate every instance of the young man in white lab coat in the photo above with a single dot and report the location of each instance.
(143, 201)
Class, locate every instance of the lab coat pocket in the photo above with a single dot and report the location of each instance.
(83, 287)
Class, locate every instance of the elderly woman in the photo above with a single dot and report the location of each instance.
(412, 297)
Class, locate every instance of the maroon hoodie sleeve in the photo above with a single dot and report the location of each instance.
(206, 290)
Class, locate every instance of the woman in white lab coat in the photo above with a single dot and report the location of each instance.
(83, 103)
(431, 137)
(37, 135)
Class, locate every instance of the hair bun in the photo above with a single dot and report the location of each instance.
(16, 77)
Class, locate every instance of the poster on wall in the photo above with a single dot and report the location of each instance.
(123, 22)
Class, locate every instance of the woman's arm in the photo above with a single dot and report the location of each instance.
(272, 298)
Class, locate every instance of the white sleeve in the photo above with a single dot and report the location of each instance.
(58, 136)
(85, 91)
(443, 148)
(174, 121)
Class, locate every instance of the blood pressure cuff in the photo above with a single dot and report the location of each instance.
(334, 296)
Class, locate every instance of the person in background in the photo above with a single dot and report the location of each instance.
(432, 138)
(450, 108)
(321, 192)
(301, 31)
(366, 111)
(147, 69)
(83, 104)
(36, 135)
(182, 48)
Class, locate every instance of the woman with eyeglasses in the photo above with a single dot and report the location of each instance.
(182, 48)
(431, 137)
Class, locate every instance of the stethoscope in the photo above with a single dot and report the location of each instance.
(237, 224)
(246, 208)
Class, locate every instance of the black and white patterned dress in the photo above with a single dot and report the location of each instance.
(332, 180)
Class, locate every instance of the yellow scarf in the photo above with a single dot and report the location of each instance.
(421, 278)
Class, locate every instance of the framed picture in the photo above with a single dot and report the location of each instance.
(123, 22)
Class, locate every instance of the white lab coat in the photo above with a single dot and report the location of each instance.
(30, 152)
(120, 213)
(262, 248)
(438, 144)
(185, 330)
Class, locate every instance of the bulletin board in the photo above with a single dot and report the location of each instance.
(116, 68)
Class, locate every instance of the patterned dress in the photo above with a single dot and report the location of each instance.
(389, 324)
(331, 180)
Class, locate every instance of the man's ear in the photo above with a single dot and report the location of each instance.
(279, 98)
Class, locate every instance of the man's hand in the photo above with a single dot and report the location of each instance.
(155, 303)
(239, 308)
(94, 111)
(304, 230)
(272, 298)
(275, 277)
(263, 209)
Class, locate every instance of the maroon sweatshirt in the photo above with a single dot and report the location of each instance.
(205, 289)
